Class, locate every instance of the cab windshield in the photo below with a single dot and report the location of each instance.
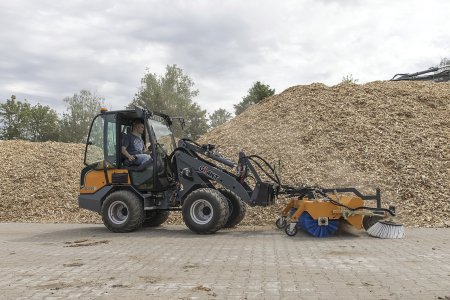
(164, 136)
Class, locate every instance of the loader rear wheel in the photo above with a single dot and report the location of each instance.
(236, 207)
(205, 210)
(122, 211)
(154, 218)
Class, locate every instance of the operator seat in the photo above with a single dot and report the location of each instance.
(141, 167)
(141, 174)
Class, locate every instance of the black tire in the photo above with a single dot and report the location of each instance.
(290, 232)
(369, 221)
(237, 208)
(281, 223)
(205, 211)
(154, 218)
(123, 211)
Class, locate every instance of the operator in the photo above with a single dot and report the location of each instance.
(133, 147)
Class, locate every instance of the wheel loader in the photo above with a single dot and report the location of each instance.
(178, 177)
(196, 180)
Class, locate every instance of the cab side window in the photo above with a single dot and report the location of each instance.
(111, 139)
(94, 146)
(102, 141)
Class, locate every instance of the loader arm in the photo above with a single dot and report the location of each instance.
(195, 172)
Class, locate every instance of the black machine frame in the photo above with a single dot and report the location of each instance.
(439, 74)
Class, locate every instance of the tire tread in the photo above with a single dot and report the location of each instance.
(222, 210)
(235, 216)
(135, 210)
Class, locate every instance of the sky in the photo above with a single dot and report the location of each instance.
(50, 50)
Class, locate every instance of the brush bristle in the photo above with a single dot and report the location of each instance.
(386, 230)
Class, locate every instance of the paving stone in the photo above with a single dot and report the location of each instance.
(172, 263)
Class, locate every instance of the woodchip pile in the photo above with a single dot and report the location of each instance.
(40, 182)
(391, 135)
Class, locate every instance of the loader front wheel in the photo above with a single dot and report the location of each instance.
(205, 211)
(236, 206)
(122, 211)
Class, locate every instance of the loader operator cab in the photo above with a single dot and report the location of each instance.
(103, 150)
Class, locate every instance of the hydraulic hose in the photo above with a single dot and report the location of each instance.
(276, 179)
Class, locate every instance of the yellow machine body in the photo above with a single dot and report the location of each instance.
(95, 179)
(321, 209)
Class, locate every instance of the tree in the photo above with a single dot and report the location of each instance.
(255, 94)
(43, 124)
(80, 111)
(14, 119)
(173, 95)
(219, 117)
(20, 120)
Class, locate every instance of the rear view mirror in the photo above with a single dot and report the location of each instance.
(139, 112)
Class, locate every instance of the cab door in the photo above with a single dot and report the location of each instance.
(161, 138)
(100, 155)
(101, 146)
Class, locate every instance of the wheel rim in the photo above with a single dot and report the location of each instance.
(118, 212)
(201, 211)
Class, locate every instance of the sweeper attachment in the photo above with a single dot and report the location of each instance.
(320, 213)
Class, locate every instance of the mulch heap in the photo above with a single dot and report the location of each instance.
(391, 135)
(40, 182)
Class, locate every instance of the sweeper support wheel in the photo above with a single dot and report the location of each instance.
(281, 222)
(291, 229)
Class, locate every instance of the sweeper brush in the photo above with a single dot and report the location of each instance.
(386, 229)
(320, 212)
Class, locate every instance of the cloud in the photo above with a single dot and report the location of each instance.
(51, 50)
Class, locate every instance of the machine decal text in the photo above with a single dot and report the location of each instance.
(209, 173)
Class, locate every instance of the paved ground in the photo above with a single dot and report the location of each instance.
(87, 261)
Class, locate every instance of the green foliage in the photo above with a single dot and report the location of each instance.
(43, 124)
(444, 62)
(20, 120)
(13, 116)
(219, 117)
(173, 95)
(255, 94)
(80, 111)
(349, 79)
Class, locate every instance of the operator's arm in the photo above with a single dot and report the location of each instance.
(126, 154)
(125, 144)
